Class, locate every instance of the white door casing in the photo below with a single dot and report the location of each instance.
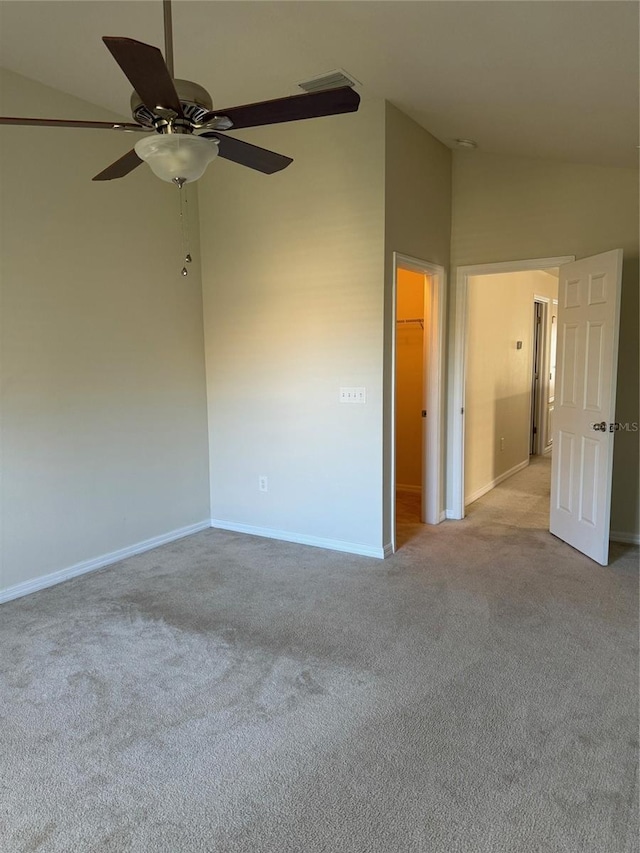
(433, 395)
(552, 376)
(585, 397)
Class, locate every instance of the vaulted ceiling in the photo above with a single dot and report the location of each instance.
(548, 78)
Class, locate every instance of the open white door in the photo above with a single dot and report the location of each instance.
(433, 383)
(584, 429)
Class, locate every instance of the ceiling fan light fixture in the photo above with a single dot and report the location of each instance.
(177, 156)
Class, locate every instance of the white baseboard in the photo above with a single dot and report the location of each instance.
(300, 539)
(402, 487)
(487, 488)
(44, 581)
(629, 538)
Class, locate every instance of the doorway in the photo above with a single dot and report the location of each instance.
(543, 372)
(587, 351)
(483, 411)
(411, 355)
(538, 336)
(418, 386)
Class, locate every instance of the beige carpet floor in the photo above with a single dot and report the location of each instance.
(475, 693)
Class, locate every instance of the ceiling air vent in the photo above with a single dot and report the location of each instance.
(331, 80)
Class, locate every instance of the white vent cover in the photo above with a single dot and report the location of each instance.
(331, 80)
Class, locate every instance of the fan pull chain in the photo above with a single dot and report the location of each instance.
(184, 224)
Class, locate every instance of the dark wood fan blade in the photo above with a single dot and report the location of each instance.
(55, 122)
(147, 71)
(249, 155)
(120, 168)
(312, 105)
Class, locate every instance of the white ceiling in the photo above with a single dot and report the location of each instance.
(540, 78)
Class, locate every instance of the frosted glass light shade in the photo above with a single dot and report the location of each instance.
(177, 155)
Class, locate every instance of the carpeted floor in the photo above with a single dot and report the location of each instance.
(475, 693)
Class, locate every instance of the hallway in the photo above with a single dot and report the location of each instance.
(520, 501)
(519, 505)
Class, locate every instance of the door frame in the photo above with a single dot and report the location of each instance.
(456, 436)
(433, 389)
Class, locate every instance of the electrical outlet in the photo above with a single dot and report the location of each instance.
(263, 483)
(502, 444)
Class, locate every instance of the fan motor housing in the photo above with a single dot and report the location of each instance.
(195, 101)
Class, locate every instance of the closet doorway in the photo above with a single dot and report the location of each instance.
(418, 406)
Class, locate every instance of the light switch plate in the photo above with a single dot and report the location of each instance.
(353, 395)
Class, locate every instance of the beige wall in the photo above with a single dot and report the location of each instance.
(508, 208)
(410, 304)
(498, 375)
(417, 223)
(298, 281)
(293, 295)
(104, 440)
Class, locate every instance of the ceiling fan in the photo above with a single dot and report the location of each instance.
(182, 126)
